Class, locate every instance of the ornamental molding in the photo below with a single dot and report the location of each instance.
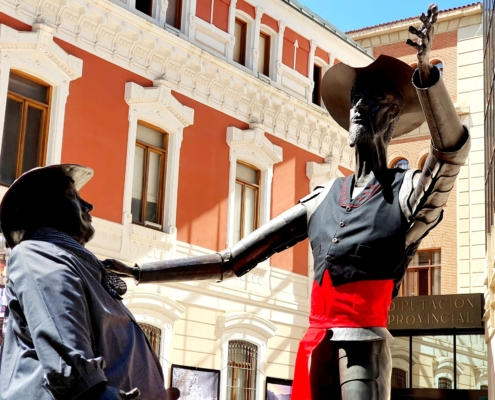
(40, 40)
(321, 173)
(115, 34)
(170, 309)
(244, 322)
(161, 95)
(254, 139)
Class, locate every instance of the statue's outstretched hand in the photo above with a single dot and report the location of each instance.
(425, 34)
(120, 268)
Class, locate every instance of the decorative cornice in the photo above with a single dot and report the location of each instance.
(40, 39)
(255, 136)
(121, 37)
(160, 94)
(242, 322)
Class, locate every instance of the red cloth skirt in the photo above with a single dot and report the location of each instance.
(352, 305)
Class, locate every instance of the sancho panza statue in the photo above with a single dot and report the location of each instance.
(364, 229)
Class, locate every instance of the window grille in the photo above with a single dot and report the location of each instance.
(154, 336)
(398, 378)
(242, 370)
(444, 383)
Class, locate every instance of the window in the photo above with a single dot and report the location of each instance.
(398, 378)
(242, 370)
(247, 192)
(145, 6)
(149, 176)
(317, 85)
(153, 334)
(439, 65)
(25, 129)
(264, 57)
(402, 164)
(240, 31)
(444, 383)
(423, 275)
(174, 13)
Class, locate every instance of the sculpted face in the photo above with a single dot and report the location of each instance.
(375, 106)
(74, 218)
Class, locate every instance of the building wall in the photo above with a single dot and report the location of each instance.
(444, 236)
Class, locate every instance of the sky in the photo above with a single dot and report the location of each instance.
(349, 15)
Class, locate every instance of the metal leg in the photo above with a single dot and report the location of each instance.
(365, 370)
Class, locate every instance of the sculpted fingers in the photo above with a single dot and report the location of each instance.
(418, 32)
(414, 44)
(433, 13)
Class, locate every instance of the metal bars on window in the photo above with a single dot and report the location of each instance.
(153, 334)
(242, 370)
(489, 112)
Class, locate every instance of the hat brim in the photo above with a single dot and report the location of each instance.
(339, 80)
(27, 186)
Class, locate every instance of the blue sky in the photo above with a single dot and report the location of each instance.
(348, 15)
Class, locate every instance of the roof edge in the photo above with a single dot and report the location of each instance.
(399, 24)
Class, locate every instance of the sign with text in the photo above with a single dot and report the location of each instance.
(436, 312)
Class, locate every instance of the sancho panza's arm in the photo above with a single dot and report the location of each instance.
(424, 193)
(278, 234)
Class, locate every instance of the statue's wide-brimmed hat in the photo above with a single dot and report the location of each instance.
(339, 80)
(29, 187)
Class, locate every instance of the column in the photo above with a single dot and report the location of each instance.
(255, 39)
(230, 48)
(279, 50)
(311, 61)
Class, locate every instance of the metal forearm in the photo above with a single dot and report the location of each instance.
(280, 233)
(430, 190)
(425, 193)
(207, 267)
(447, 132)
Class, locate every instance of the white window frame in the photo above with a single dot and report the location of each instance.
(251, 328)
(157, 106)
(36, 54)
(252, 147)
(273, 47)
(250, 42)
(161, 312)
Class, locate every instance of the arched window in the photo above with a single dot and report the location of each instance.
(398, 378)
(401, 163)
(421, 163)
(242, 370)
(444, 383)
(439, 65)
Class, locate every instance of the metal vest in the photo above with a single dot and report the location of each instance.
(362, 238)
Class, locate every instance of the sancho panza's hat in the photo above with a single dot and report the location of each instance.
(338, 81)
(30, 186)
